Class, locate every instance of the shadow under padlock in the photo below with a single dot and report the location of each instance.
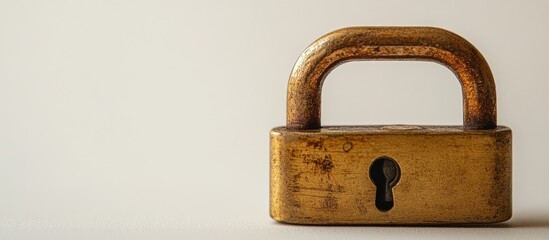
(390, 174)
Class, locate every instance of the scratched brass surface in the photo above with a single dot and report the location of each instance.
(452, 174)
(448, 175)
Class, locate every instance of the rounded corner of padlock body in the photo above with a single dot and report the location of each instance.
(447, 175)
(274, 213)
(285, 219)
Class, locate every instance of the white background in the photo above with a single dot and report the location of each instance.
(150, 119)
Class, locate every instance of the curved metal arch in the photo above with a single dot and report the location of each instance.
(391, 43)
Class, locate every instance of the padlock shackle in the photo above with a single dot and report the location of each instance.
(391, 43)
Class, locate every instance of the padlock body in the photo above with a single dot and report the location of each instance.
(447, 175)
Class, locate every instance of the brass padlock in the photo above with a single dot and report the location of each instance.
(394, 174)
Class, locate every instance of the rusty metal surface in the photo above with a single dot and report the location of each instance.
(447, 175)
(391, 43)
(427, 174)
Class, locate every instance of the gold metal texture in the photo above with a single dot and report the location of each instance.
(447, 174)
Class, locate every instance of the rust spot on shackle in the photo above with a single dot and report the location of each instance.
(391, 43)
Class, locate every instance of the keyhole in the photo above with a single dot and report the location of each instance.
(385, 174)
